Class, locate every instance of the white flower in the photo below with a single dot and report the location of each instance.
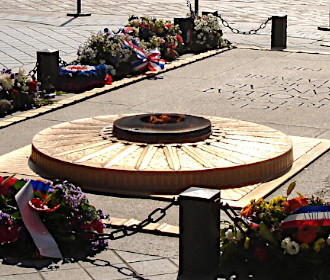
(229, 234)
(28, 80)
(6, 81)
(25, 88)
(285, 242)
(20, 74)
(328, 240)
(293, 248)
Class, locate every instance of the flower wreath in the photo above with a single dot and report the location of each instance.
(61, 207)
(78, 77)
(279, 239)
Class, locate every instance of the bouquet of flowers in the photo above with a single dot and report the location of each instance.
(279, 239)
(160, 34)
(207, 34)
(61, 207)
(20, 91)
(109, 49)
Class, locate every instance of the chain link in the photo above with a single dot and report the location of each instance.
(155, 216)
(33, 72)
(237, 31)
(62, 62)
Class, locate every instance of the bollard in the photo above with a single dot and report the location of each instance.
(78, 13)
(47, 68)
(186, 26)
(279, 26)
(199, 245)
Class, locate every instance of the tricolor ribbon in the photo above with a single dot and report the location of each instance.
(308, 215)
(149, 59)
(43, 240)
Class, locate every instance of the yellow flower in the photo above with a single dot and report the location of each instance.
(277, 201)
(319, 244)
(247, 242)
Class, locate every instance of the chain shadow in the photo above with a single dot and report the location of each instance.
(126, 271)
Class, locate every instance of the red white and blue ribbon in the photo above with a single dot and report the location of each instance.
(150, 60)
(308, 216)
(44, 241)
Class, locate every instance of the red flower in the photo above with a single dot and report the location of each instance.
(33, 85)
(96, 225)
(108, 79)
(168, 25)
(295, 203)
(14, 91)
(260, 253)
(8, 233)
(307, 231)
(179, 38)
(5, 187)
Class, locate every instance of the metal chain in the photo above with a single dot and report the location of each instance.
(155, 216)
(33, 72)
(238, 221)
(192, 13)
(62, 62)
(236, 31)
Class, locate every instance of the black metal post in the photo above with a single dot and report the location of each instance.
(186, 26)
(78, 14)
(47, 68)
(199, 245)
(279, 30)
(196, 7)
(325, 28)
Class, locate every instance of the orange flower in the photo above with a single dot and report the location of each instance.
(295, 203)
(247, 211)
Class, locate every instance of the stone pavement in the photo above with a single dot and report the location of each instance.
(31, 25)
(292, 96)
(289, 91)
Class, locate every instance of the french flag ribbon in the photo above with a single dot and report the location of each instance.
(43, 240)
(308, 216)
(150, 59)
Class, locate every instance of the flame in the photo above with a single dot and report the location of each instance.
(165, 118)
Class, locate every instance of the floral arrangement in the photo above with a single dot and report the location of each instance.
(62, 208)
(17, 91)
(76, 77)
(207, 34)
(108, 48)
(157, 33)
(278, 239)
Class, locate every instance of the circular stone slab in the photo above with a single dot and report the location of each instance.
(85, 151)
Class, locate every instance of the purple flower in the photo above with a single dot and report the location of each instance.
(4, 218)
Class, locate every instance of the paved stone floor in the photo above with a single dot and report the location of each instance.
(271, 88)
(31, 25)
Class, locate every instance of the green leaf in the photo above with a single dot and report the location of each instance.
(16, 215)
(291, 188)
(19, 184)
(266, 233)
